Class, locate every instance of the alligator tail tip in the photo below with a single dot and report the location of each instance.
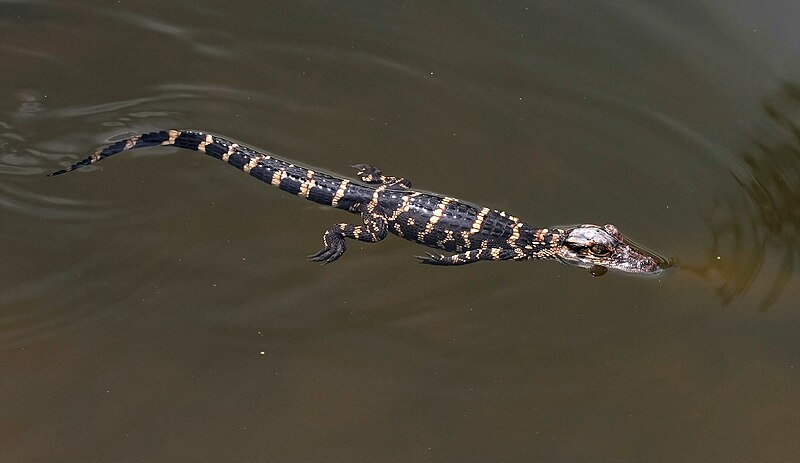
(64, 170)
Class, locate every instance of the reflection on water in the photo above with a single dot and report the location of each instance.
(747, 236)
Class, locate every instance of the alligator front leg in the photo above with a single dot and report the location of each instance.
(373, 230)
(371, 174)
(471, 256)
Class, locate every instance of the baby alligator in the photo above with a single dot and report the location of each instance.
(388, 204)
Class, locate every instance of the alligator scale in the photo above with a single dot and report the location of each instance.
(388, 205)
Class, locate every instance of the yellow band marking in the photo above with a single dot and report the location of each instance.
(307, 184)
(406, 204)
(173, 134)
(476, 226)
(373, 203)
(340, 193)
(129, 143)
(540, 235)
(231, 150)
(435, 217)
(515, 233)
(249, 166)
(202, 146)
(277, 177)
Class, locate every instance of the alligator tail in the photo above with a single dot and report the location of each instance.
(319, 187)
(164, 137)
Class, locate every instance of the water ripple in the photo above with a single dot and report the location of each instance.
(757, 248)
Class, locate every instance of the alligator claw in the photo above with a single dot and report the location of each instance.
(328, 254)
(430, 258)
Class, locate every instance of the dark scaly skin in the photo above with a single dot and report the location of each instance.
(388, 205)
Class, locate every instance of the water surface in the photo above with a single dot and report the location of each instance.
(159, 307)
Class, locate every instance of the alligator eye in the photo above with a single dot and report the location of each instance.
(599, 250)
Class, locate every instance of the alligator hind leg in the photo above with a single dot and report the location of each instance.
(471, 256)
(373, 230)
(371, 174)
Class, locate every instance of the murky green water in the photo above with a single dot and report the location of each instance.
(160, 308)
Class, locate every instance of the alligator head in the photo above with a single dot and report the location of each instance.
(601, 248)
